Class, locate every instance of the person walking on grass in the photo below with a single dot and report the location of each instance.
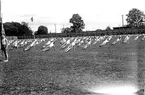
(4, 47)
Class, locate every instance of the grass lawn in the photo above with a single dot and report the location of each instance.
(74, 72)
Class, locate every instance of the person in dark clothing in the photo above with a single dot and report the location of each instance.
(4, 47)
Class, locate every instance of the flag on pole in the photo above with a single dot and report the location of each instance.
(32, 19)
(96, 39)
(68, 48)
(117, 40)
(34, 43)
(66, 43)
(22, 43)
(9, 42)
(48, 43)
(48, 46)
(78, 41)
(87, 43)
(127, 39)
(143, 37)
(72, 45)
(106, 41)
(137, 36)
(14, 44)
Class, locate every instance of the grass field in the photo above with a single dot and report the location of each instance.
(76, 72)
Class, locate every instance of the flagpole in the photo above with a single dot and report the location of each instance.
(55, 27)
(1, 22)
(0, 8)
(33, 31)
(0, 19)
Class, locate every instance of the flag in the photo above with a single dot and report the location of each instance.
(117, 40)
(88, 43)
(63, 40)
(127, 38)
(71, 45)
(102, 38)
(143, 37)
(42, 40)
(99, 39)
(66, 43)
(49, 42)
(32, 19)
(68, 48)
(48, 47)
(81, 42)
(106, 41)
(18, 44)
(96, 39)
(39, 41)
(14, 44)
(26, 42)
(137, 36)
(78, 41)
(10, 42)
(22, 43)
(31, 45)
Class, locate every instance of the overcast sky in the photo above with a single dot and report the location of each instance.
(97, 14)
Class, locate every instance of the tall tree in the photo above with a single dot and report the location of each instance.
(10, 29)
(78, 23)
(26, 29)
(42, 30)
(17, 29)
(23, 28)
(135, 18)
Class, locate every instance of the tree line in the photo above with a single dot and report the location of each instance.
(16, 29)
(22, 29)
(135, 19)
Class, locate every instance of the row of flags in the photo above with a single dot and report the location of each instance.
(70, 43)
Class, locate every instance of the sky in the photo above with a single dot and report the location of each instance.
(97, 14)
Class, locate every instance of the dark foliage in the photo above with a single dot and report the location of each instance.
(10, 29)
(67, 30)
(135, 18)
(78, 23)
(17, 29)
(42, 30)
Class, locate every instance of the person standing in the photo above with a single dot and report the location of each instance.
(4, 43)
(3, 40)
(4, 47)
